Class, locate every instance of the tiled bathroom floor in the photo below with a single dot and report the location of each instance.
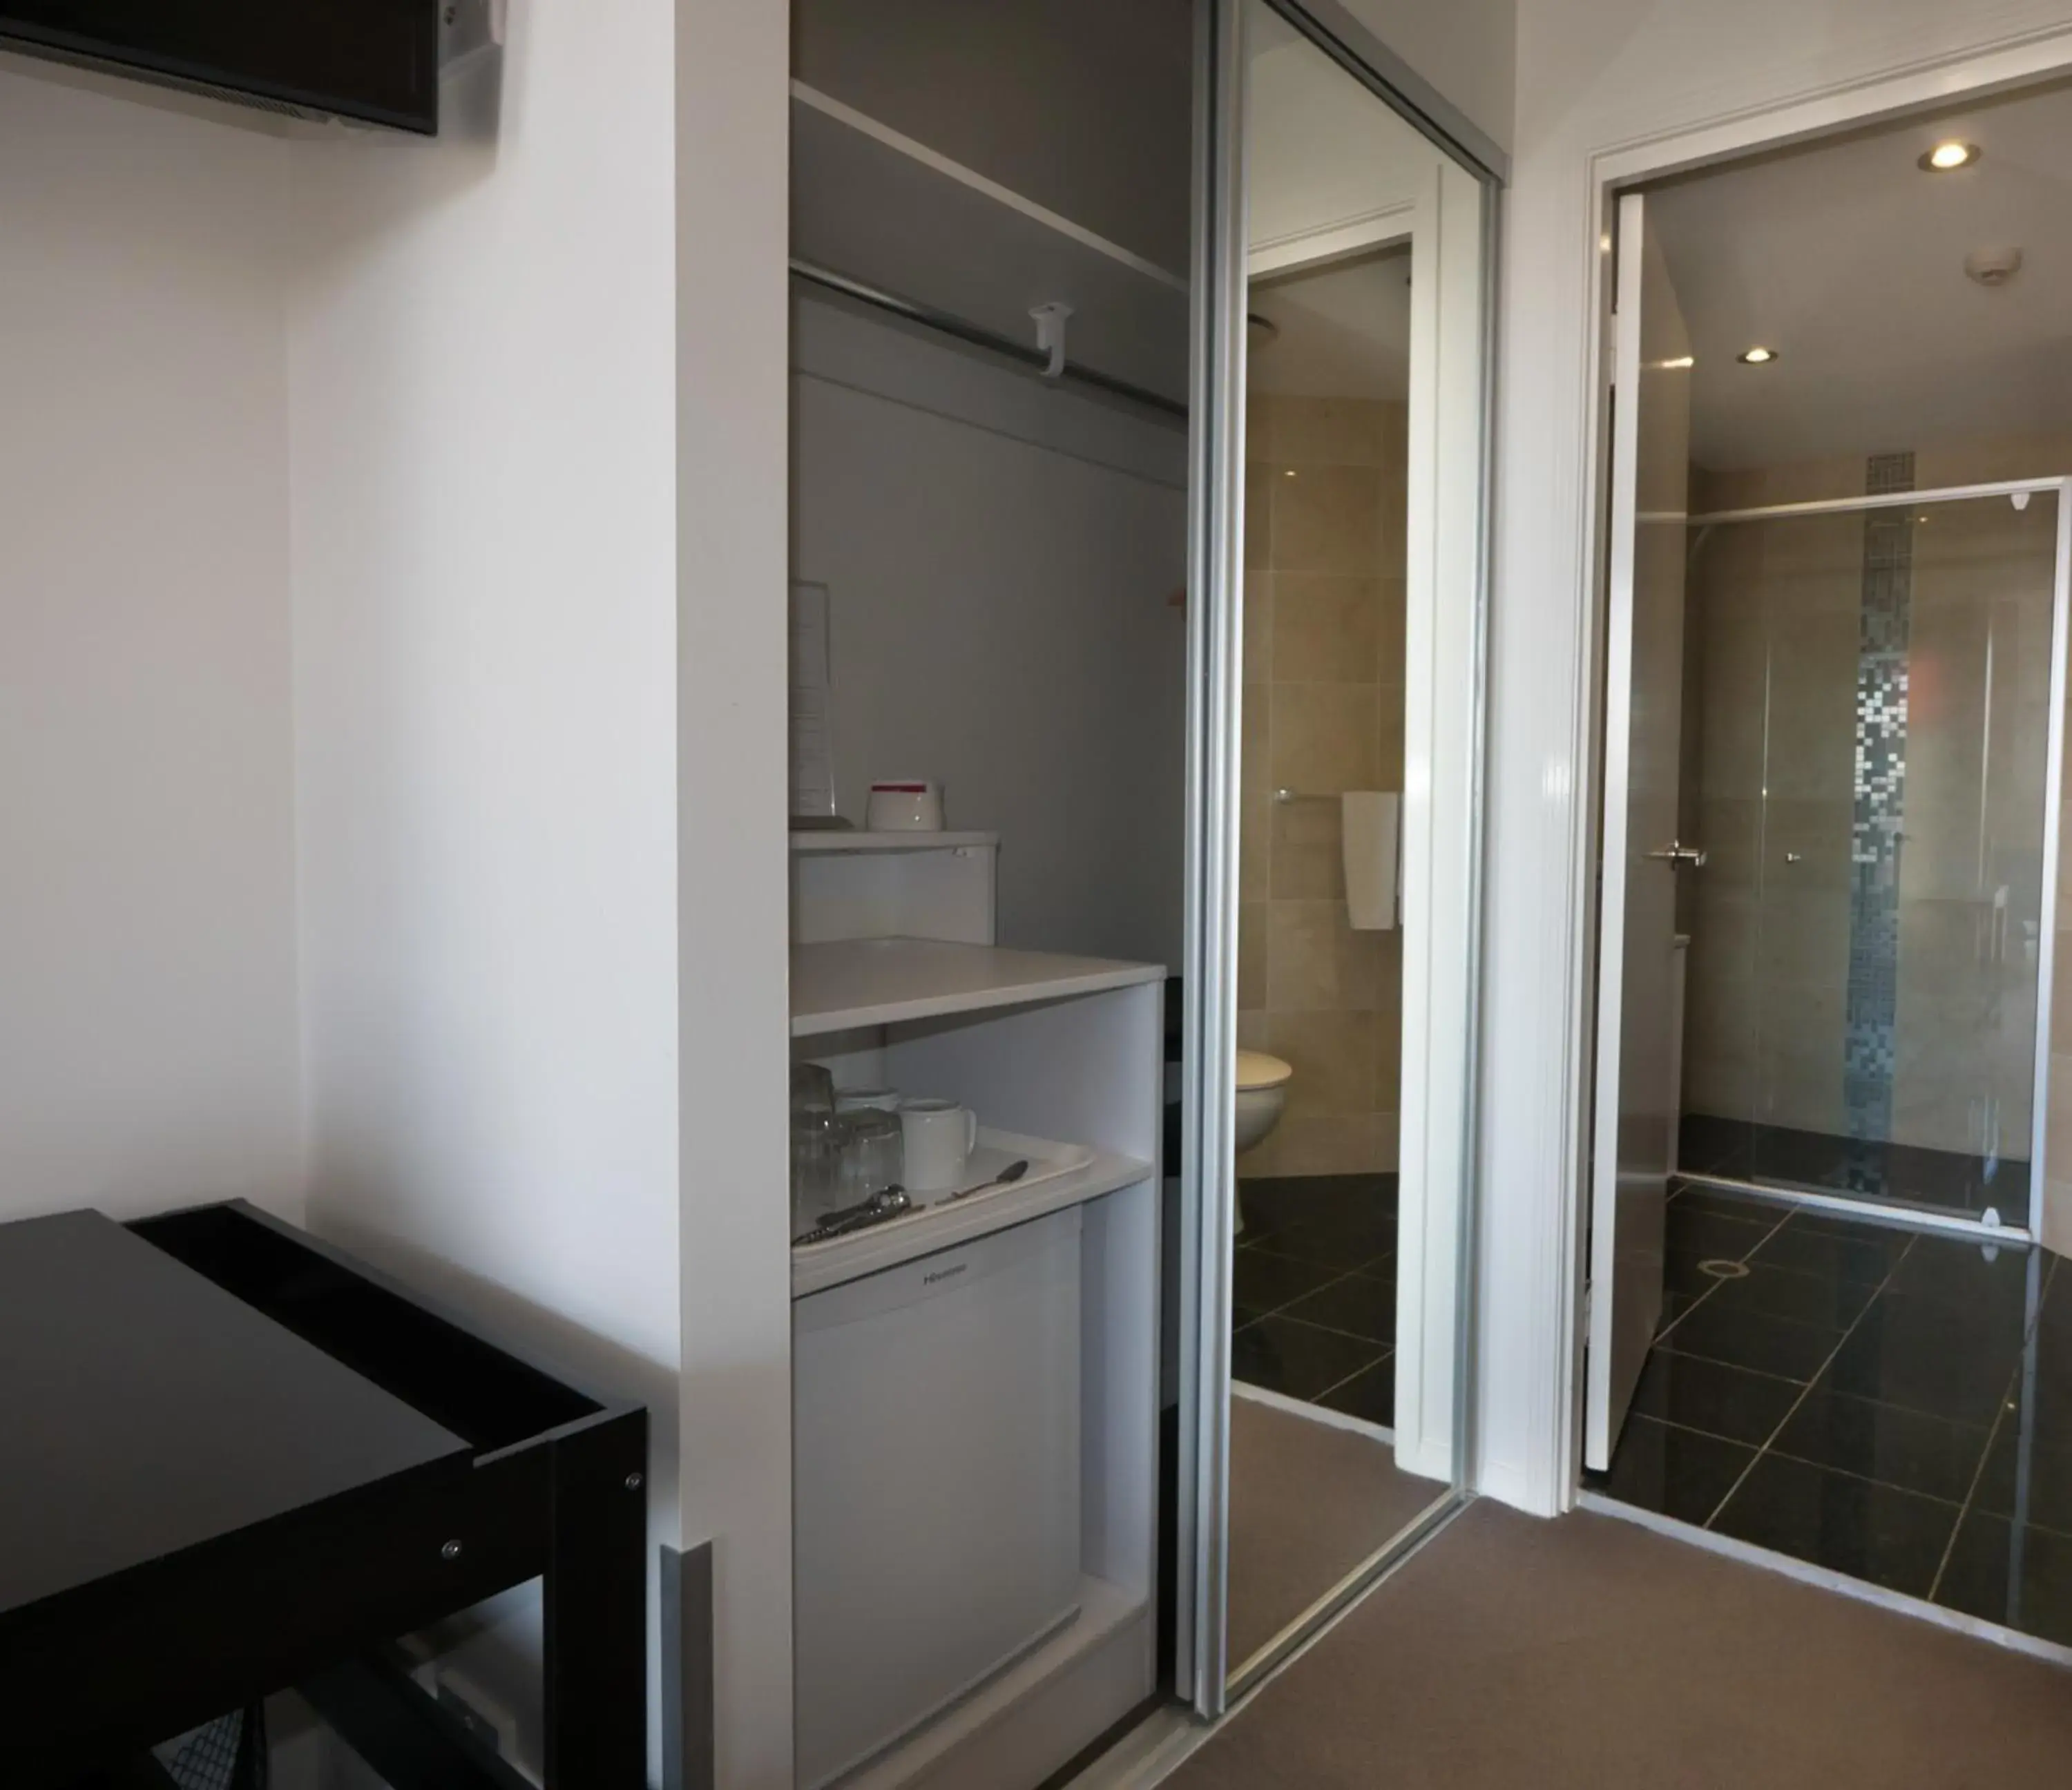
(1893, 1405)
(1314, 1305)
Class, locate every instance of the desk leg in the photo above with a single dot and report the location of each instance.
(596, 1610)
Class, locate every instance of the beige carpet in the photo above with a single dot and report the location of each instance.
(1588, 1651)
(1308, 1501)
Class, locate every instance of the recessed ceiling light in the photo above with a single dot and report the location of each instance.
(1680, 361)
(1945, 157)
(1757, 356)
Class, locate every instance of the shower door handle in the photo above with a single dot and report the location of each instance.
(1676, 852)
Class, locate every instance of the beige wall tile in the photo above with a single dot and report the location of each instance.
(1394, 523)
(1327, 518)
(1333, 1059)
(1327, 1145)
(1392, 606)
(1802, 938)
(1326, 628)
(1255, 845)
(1309, 861)
(1259, 483)
(1350, 432)
(2057, 1129)
(1729, 831)
(1258, 638)
(1822, 833)
(1251, 935)
(2061, 993)
(1262, 411)
(1255, 796)
(1316, 963)
(1389, 767)
(1325, 738)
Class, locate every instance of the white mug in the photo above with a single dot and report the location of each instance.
(908, 804)
(940, 1137)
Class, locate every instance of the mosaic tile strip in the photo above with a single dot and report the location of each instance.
(1869, 1057)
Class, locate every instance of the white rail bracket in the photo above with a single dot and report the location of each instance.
(1051, 336)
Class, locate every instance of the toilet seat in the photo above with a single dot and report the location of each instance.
(1257, 1070)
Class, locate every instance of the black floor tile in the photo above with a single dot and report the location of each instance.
(1298, 1360)
(1817, 1299)
(1929, 1357)
(1874, 1532)
(1369, 1395)
(1674, 1305)
(2045, 1500)
(1358, 1306)
(1743, 1207)
(1261, 1283)
(1277, 1203)
(1753, 1340)
(1332, 1240)
(1865, 1253)
(1698, 1395)
(1963, 1273)
(1692, 1231)
(1685, 1271)
(2020, 1577)
(1903, 1448)
(1674, 1472)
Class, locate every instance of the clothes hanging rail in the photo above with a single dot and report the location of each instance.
(1036, 359)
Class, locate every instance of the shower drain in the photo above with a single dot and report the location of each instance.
(1722, 1270)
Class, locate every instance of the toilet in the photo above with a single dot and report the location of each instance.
(1262, 1091)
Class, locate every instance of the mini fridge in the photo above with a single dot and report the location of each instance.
(936, 1483)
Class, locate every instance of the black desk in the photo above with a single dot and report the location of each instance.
(234, 1461)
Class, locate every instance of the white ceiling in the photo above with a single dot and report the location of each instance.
(1849, 260)
(1345, 331)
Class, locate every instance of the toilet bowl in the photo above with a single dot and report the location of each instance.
(1262, 1091)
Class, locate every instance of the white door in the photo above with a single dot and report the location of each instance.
(1634, 1147)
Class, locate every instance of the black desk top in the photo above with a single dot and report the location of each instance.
(144, 1410)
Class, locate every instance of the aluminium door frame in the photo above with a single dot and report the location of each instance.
(2030, 1231)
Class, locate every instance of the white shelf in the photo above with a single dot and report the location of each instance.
(1106, 1612)
(818, 1266)
(849, 984)
(837, 839)
(875, 205)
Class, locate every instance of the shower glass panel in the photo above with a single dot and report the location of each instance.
(1868, 697)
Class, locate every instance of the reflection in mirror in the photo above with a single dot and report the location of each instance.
(1329, 1337)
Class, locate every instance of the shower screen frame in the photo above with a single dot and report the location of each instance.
(2039, 1225)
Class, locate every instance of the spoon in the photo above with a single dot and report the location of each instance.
(1013, 1172)
(887, 1203)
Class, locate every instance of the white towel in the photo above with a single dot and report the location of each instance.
(1367, 820)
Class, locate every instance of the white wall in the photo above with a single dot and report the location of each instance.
(733, 226)
(1001, 557)
(147, 974)
(484, 440)
(1466, 50)
(1599, 76)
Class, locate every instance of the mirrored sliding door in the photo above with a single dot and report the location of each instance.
(1341, 392)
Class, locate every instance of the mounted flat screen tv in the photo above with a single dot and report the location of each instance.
(373, 61)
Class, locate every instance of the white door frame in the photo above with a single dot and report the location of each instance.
(1843, 106)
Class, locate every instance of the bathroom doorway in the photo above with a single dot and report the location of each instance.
(1333, 1209)
(1821, 1320)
